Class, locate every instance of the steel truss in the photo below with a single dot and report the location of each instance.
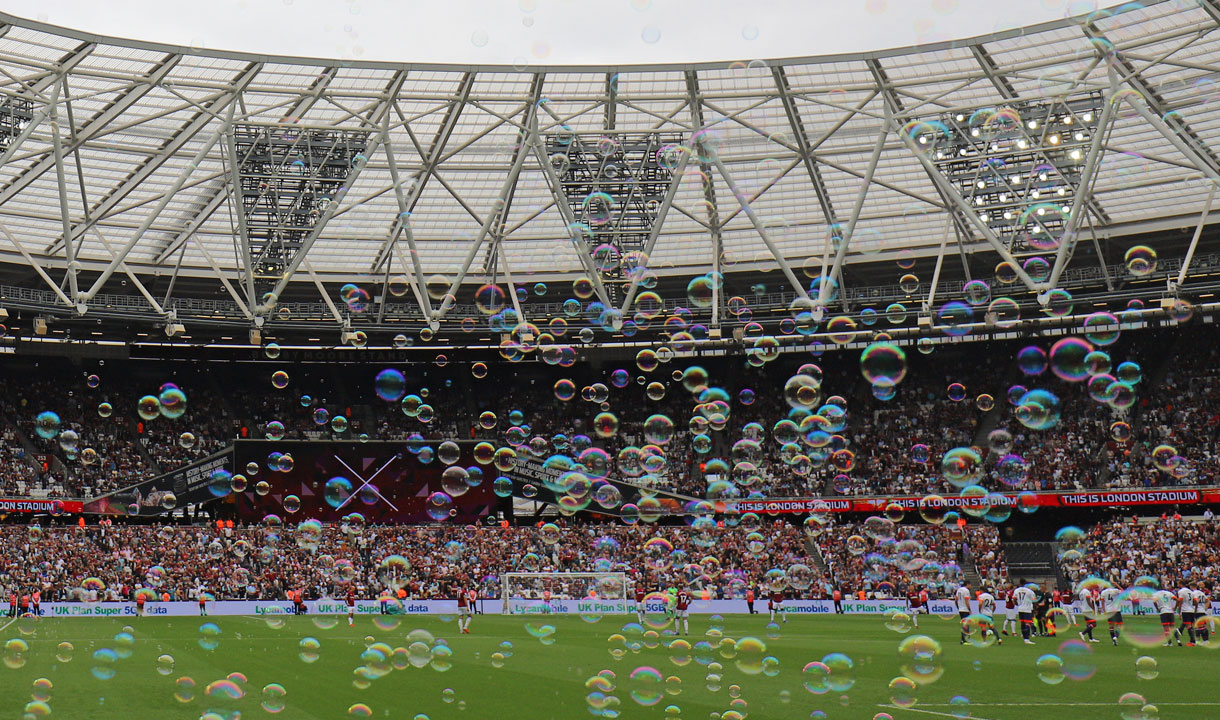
(421, 181)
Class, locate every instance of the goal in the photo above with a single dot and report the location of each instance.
(592, 593)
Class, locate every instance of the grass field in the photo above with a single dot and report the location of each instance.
(545, 674)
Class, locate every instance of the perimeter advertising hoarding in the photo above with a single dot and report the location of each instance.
(448, 608)
(382, 481)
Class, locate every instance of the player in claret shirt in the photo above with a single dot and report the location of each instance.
(683, 610)
(640, 594)
(776, 605)
(351, 607)
(917, 602)
(465, 610)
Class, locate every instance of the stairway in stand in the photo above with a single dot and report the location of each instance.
(815, 554)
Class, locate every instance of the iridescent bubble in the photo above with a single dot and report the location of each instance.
(148, 407)
(1067, 359)
(337, 491)
(273, 698)
(390, 385)
(1032, 360)
(976, 292)
(1038, 409)
(954, 318)
(439, 505)
(172, 403)
(961, 466)
(1140, 260)
(903, 692)
(209, 636)
(883, 364)
(1146, 668)
(309, 650)
(1006, 312)
(1129, 372)
(1101, 328)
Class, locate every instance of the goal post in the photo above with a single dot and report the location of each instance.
(585, 593)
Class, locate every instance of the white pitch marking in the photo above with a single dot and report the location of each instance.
(928, 712)
(921, 710)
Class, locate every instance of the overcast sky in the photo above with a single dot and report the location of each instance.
(542, 32)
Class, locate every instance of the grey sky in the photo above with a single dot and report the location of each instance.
(541, 32)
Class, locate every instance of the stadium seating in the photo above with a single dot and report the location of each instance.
(256, 562)
(1169, 549)
(1177, 395)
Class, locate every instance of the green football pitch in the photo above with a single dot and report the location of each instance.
(512, 668)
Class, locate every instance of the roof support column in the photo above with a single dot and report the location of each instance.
(1084, 190)
(762, 231)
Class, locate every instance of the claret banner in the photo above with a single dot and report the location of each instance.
(39, 506)
(1093, 498)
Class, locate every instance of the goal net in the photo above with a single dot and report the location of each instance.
(594, 593)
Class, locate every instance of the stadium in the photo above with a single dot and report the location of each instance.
(654, 360)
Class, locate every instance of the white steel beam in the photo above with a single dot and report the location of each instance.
(759, 227)
(836, 267)
(435, 154)
(183, 176)
(1194, 241)
(383, 107)
(674, 183)
(493, 216)
(1084, 189)
(137, 178)
(36, 267)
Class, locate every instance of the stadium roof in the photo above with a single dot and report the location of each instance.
(129, 153)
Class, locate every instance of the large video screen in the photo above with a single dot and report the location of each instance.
(383, 481)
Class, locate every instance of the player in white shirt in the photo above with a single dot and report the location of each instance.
(1088, 606)
(1024, 599)
(1186, 606)
(1203, 618)
(987, 609)
(1166, 602)
(961, 597)
(1113, 610)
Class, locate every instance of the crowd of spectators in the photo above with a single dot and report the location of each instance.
(885, 559)
(1169, 549)
(878, 438)
(112, 561)
(19, 476)
(1181, 412)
